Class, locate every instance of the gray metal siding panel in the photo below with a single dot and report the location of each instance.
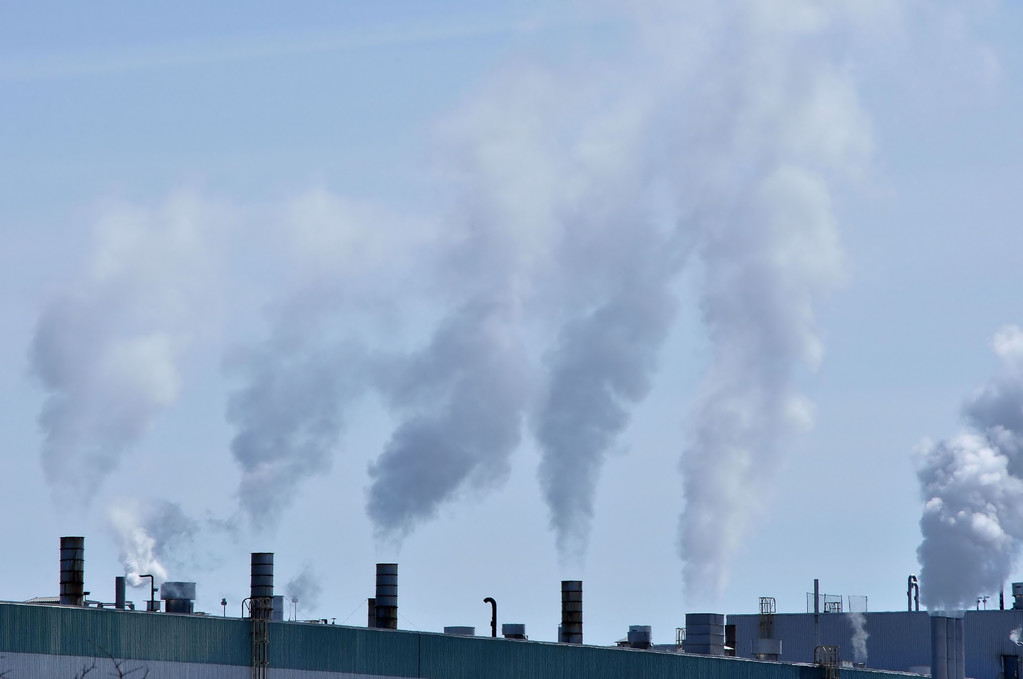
(898, 640)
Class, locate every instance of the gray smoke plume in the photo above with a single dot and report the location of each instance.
(972, 488)
(858, 621)
(463, 398)
(293, 389)
(106, 350)
(600, 367)
(304, 589)
(288, 414)
(151, 536)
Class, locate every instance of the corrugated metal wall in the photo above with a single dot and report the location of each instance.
(898, 640)
(325, 650)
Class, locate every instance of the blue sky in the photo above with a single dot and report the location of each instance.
(211, 170)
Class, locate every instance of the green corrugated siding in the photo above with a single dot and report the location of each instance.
(344, 649)
(92, 632)
(327, 648)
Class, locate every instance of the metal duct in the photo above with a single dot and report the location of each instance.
(572, 611)
(1017, 595)
(387, 596)
(119, 592)
(261, 588)
(460, 630)
(371, 612)
(72, 571)
(948, 659)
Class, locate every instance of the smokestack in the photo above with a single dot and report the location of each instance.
(72, 571)
(947, 648)
(119, 589)
(387, 596)
(371, 612)
(572, 611)
(261, 588)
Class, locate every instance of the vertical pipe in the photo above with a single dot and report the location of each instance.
(493, 615)
(261, 585)
(939, 647)
(816, 612)
(119, 592)
(958, 650)
(371, 612)
(387, 596)
(572, 611)
(1001, 599)
(72, 571)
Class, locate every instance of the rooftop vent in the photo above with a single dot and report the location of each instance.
(639, 636)
(179, 597)
(460, 631)
(513, 630)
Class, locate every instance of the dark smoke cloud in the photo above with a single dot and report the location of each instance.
(972, 488)
(601, 366)
(462, 400)
(288, 414)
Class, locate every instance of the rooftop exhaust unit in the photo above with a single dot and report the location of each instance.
(705, 634)
(460, 631)
(1017, 595)
(571, 612)
(513, 630)
(387, 596)
(261, 588)
(947, 648)
(179, 597)
(639, 636)
(72, 571)
(371, 612)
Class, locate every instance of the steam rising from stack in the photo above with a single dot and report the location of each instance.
(148, 533)
(858, 621)
(972, 488)
(581, 197)
(106, 350)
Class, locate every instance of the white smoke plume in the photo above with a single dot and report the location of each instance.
(304, 589)
(1016, 636)
(972, 488)
(107, 348)
(150, 536)
(858, 621)
(768, 245)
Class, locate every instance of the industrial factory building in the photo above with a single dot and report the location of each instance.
(899, 641)
(75, 638)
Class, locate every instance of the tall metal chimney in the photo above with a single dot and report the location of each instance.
(119, 592)
(72, 571)
(387, 596)
(572, 611)
(261, 588)
(947, 648)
